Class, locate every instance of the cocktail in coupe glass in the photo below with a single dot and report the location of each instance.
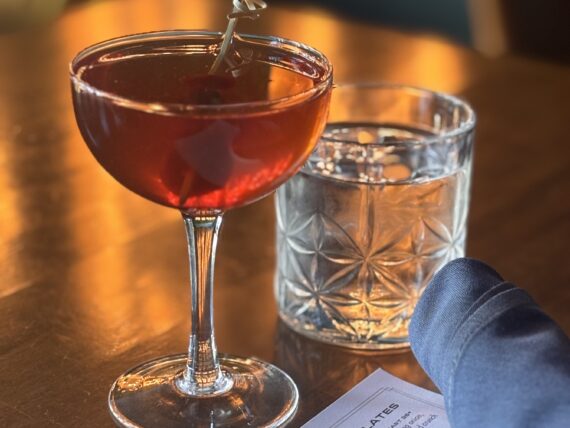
(165, 126)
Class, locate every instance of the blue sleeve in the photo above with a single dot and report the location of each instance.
(498, 359)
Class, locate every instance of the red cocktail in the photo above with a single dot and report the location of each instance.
(193, 140)
(200, 138)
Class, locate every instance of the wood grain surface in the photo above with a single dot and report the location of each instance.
(93, 279)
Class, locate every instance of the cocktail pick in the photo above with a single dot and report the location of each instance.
(249, 9)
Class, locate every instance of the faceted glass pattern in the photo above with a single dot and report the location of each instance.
(357, 244)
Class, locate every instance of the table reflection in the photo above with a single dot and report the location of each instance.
(325, 372)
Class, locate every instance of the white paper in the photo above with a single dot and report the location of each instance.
(384, 401)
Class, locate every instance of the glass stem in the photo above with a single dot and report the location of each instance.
(202, 376)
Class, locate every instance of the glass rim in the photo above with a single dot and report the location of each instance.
(204, 109)
(464, 128)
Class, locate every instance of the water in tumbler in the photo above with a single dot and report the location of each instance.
(364, 227)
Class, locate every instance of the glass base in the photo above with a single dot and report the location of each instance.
(147, 396)
(341, 339)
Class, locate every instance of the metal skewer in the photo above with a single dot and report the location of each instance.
(249, 9)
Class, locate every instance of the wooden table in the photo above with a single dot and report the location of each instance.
(93, 279)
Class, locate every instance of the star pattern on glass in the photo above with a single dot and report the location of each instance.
(340, 278)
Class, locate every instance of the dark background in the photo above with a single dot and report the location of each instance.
(535, 28)
(538, 28)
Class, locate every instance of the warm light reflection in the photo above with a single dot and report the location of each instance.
(162, 306)
(10, 218)
(84, 26)
(432, 64)
(11, 225)
(192, 14)
(122, 303)
(14, 218)
(113, 289)
(10, 215)
(384, 55)
(319, 30)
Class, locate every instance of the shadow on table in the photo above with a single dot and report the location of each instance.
(324, 372)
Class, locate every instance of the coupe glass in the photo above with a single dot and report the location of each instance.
(171, 140)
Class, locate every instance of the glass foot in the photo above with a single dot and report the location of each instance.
(147, 396)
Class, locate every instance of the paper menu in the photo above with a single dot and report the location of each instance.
(384, 401)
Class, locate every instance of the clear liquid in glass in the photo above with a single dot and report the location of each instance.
(363, 228)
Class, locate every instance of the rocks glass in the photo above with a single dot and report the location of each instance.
(380, 206)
